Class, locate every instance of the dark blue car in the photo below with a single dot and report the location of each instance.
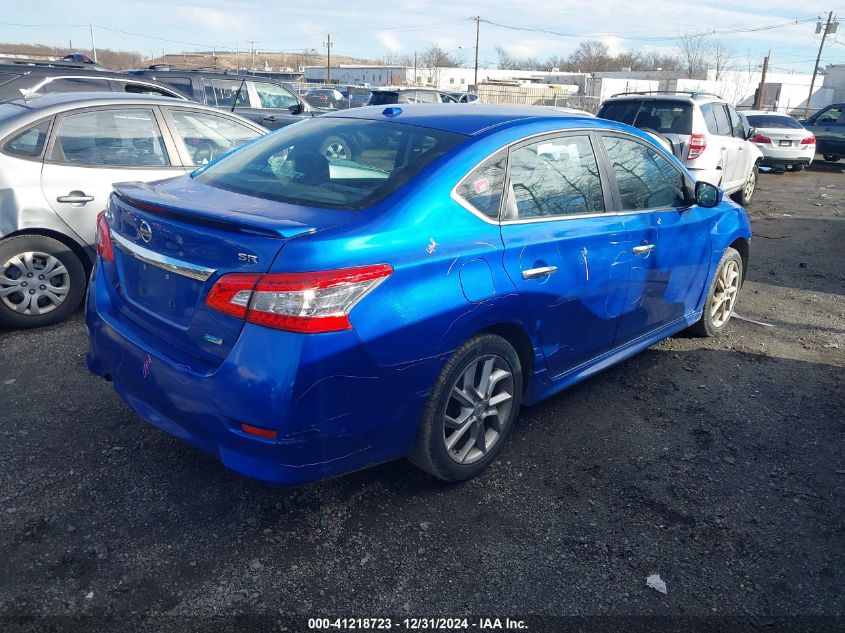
(300, 316)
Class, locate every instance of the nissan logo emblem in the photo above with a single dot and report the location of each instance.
(145, 231)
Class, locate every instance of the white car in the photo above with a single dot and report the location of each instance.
(783, 141)
(703, 131)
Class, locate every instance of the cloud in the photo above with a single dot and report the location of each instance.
(389, 41)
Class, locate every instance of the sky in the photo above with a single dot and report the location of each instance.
(372, 28)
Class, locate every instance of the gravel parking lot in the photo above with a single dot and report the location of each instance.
(719, 464)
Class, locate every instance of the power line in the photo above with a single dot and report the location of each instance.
(665, 38)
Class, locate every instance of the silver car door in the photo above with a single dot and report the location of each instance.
(94, 148)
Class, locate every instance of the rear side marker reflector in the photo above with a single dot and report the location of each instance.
(312, 302)
(257, 431)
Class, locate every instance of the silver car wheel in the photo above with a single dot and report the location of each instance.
(33, 283)
(338, 151)
(724, 294)
(478, 409)
(750, 184)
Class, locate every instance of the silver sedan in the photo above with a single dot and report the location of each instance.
(59, 156)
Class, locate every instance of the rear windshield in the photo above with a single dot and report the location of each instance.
(330, 163)
(770, 121)
(661, 115)
(382, 97)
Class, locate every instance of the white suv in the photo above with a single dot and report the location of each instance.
(702, 130)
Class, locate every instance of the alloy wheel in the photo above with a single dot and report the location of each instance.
(724, 294)
(338, 151)
(33, 283)
(749, 185)
(478, 408)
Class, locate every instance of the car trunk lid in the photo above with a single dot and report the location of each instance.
(174, 239)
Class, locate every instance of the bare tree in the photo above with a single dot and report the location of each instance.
(506, 60)
(591, 56)
(390, 58)
(694, 51)
(722, 57)
(435, 57)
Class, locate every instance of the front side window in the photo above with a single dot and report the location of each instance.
(274, 96)
(30, 142)
(292, 166)
(832, 115)
(115, 138)
(208, 136)
(484, 186)
(227, 92)
(554, 177)
(646, 180)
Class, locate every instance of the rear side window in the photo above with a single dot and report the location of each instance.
(227, 92)
(180, 84)
(118, 137)
(483, 187)
(30, 142)
(720, 119)
(645, 179)
(293, 165)
(554, 177)
(140, 89)
(75, 84)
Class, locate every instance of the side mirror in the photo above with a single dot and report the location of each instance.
(707, 195)
(752, 131)
(296, 108)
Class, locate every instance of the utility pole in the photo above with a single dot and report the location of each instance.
(328, 45)
(252, 51)
(830, 27)
(93, 46)
(477, 19)
(759, 102)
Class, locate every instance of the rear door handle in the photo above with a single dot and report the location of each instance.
(535, 273)
(645, 248)
(75, 197)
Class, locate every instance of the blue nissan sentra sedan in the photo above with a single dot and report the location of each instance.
(301, 315)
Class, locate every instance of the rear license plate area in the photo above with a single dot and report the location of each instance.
(786, 143)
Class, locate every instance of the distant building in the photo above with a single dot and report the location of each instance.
(358, 75)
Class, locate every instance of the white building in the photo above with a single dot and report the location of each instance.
(358, 75)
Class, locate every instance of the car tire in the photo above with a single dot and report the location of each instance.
(41, 281)
(458, 436)
(721, 295)
(831, 158)
(745, 194)
(337, 147)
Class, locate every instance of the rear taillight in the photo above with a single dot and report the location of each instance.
(103, 240)
(697, 145)
(311, 302)
(231, 294)
(760, 138)
(810, 140)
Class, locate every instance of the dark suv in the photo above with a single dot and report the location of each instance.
(265, 101)
(388, 96)
(19, 77)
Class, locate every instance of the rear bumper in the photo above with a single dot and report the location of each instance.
(333, 408)
(788, 156)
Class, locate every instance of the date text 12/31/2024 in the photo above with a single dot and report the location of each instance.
(416, 624)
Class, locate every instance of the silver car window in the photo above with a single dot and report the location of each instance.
(208, 136)
(119, 137)
(30, 142)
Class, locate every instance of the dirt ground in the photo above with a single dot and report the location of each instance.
(716, 463)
